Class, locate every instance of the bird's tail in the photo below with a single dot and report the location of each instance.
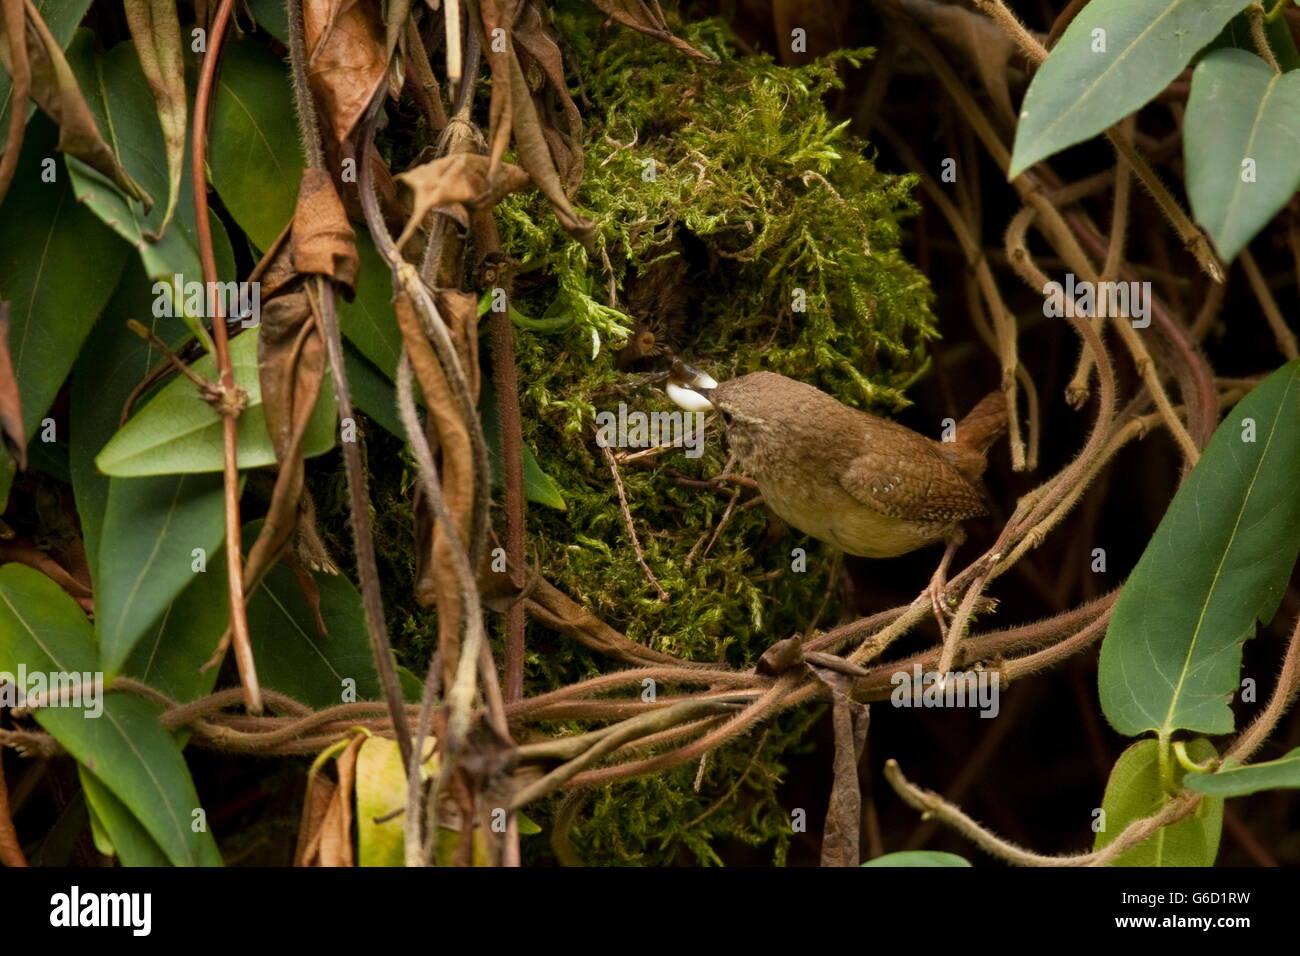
(983, 424)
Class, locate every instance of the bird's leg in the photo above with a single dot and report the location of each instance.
(939, 581)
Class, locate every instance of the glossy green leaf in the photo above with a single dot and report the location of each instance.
(292, 655)
(58, 266)
(124, 107)
(1237, 781)
(178, 433)
(918, 858)
(125, 747)
(254, 155)
(368, 321)
(1241, 146)
(271, 17)
(117, 826)
(112, 362)
(1218, 562)
(62, 17)
(1237, 35)
(170, 653)
(372, 391)
(1133, 792)
(538, 485)
(1111, 60)
(155, 525)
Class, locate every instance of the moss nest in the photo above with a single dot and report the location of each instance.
(741, 226)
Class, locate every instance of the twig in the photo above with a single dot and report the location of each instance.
(11, 851)
(321, 295)
(1286, 340)
(229, 408)
(1134, 834)
(631, 527)
(1255, 14)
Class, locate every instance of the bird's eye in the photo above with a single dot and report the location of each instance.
(726, 418)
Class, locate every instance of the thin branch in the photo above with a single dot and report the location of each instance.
(230, 408)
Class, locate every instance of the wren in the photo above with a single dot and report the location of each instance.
(864, 484)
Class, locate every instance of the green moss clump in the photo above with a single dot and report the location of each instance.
(766, 238)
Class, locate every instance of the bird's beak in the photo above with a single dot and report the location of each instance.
(690, 388)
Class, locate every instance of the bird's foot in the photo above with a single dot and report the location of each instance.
(943, 611)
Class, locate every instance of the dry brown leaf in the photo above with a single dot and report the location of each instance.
(841, 838)
(436, 581)
(336, 847)
(531, 37)
(315, 805)
(55, 90)
(647, 19)
(23, 551)
(14, 55)
(346, 64)
(11, 411)
(156, 32)
(323, 240)
(325, 828)
(454, 185)
(291, 368)
(535, 155)
(291, 357)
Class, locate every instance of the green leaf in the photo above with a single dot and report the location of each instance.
(372, 391)
(124, 107)
(169, 654)
(1238, 781)
(58, 268)
(62, 17)
(918, 858)
(271, 17)
(154, 524)
(1218, 562)
(125, 747)
(1134, 792)
(178, 433)
(1237, 35)
(110, 365)
(368, 321)
(538, 485)
(1081, 90)
(114, 824)
(254, 156)
(380, 789)
(1241, 146)
(292, 656)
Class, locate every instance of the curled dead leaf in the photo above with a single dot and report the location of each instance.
(535, 155)
(14, 57)
(345, 58)
(647, 18)
(323, 240)
(456, 184)
(156, 33)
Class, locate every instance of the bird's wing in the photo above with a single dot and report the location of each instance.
(921, 486)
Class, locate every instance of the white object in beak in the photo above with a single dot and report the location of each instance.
(688, 399)
(703, 380)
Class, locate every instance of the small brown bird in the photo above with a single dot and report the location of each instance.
(867, 485)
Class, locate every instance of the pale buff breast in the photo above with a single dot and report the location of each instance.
(831, 514)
